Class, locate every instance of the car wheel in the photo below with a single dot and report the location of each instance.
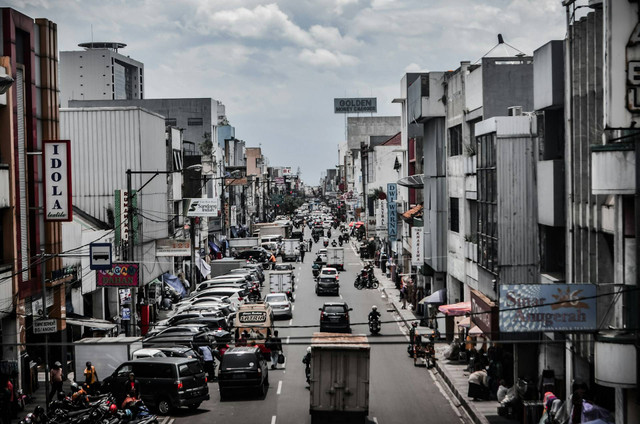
(262, 390)
(164, 406)
(194, 406)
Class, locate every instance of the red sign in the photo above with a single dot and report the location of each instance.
(120, 275)
(56, 172)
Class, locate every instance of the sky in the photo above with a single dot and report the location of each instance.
(278, 65)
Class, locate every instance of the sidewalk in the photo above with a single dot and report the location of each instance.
(451, 372)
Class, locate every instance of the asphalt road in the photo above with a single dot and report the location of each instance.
(399, 392)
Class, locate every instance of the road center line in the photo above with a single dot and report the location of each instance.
(279, 387)
(273, 420)
(291, 321)
(171, 421)
(293, 307)
(288, 337)
(164, 421)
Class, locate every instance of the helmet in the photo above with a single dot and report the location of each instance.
(74, 387)
(374, 307)
(61, 395)
(309, 349)
(57, 364)
(128, 413)
(415, 324)
(113, 408)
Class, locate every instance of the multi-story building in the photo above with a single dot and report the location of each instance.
(28, 115)
(99, 72)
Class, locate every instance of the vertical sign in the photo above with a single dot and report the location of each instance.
(122, 208)
(417, 252)
(56, 163)
(392, 210)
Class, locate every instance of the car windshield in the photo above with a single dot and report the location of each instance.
(334, 309)
(276, 298)
(190, 368)
(238, 361)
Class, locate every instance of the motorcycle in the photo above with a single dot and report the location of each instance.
(374, 326)
(316, 238)
(366, 279)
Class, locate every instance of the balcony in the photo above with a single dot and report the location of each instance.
(5, 197)
(613, 168)
(424, 98)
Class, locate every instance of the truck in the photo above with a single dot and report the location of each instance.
(339, 383)
(104, 353)
(335, 257)
(237, 245)
(282, 231)
(290, 250)
(281, 282)
(222, 266)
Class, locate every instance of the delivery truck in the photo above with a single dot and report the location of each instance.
(290, 250)
(222, 266)
(339, 382)
(104, 353)
(238, 245)
(281, 282)
(335, 257)
(281, 231)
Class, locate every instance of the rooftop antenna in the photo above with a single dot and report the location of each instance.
(91, 33)
(502, 44)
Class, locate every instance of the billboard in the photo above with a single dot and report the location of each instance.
(173, 247)
(417, 250)
(202, 207)
(392, 211)
(355, 105)
(547, 307)
(120, 275)
(57, 180)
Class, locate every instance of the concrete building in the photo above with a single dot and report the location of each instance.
(99, 72)
(28, 115)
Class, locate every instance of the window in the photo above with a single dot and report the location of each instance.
(487, 203)
(171, 122)
(194, 121)
(454, 214)
(455, 140)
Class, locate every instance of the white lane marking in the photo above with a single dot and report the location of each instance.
(293, 308)
(375, 420)
(288, 337)
(164, 421)
(273, 420)
(171, 421)
(291, 321)
(340, 296)
(279, 387)
(296, 287)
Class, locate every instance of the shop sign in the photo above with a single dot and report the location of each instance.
(417, 251)
(57, 180)
(45, 326)
(120, 275)
(355, 105)
(392, 211)
(547, 307)
(202, 207)
(484, 312)
(252, 317)
(173, 247)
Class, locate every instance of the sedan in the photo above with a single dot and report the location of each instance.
(334, 317)
(280, 305)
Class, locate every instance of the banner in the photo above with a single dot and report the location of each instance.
(120, 275)
(392, 211)
(56, 172)
(417, 251)
(202, 207)
(173, 247)
(122, 209)
(547, 307)
(355, 105)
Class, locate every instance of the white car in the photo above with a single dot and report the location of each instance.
(329, 272)
(148, 353)
(280, 304)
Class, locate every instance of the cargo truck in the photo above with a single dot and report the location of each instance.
(335, 257)
(238, 245)
(290, 250)
(281, 231)
(104, 353)
(339, 383)
(222, 266)
(281, 282)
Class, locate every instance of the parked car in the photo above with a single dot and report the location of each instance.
(327, 285)
(284, 267)
(148, 353)
(243, 368)
(165, 383)
(258, 254)
(334, 317)
(228, 280)
(280, 304)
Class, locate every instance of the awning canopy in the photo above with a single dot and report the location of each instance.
(412, 181)
(465, 322)
(439, 296)
(455, 309)
(413, 211)
(91, 323)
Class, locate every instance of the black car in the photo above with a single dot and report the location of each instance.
(285, 267)
(334, 317)
(258, 254)
(328, 284)
(165, 383)
(243, 368)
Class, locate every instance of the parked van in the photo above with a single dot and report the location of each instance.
(165, 383)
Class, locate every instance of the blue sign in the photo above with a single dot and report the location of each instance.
(392, 211)
(100, 256)
(547, 307)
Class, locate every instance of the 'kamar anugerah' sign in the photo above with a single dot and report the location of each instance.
(547, 307)
(57, 180)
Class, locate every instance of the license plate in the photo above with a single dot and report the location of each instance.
(237, 376)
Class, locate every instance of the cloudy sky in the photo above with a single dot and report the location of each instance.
(277, 65)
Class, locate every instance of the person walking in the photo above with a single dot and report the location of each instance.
(310, 244)
(5, 400)
(272, 259)
(276, 349)
(209, 362)
(302, 249)
(403, 295)
(91, 377)
(56, 378)
(184, 282)
(413, 332)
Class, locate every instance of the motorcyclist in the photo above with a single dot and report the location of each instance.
(306, 360)
(340, 239)
(334, 243)
(329, 233)
(374, 314)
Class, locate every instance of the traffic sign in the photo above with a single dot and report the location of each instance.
(44, 326)
(100, 256)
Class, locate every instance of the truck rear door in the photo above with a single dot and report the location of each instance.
(340, 381)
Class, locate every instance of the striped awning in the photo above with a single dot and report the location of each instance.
(412, 181)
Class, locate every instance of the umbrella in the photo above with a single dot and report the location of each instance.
(455, 309)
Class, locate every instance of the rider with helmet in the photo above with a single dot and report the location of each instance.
(306, 360)
(374, 314)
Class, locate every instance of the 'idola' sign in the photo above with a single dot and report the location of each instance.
(57, 180)
(547, 307)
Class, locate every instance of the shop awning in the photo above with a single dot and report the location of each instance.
(413, 211)
(91, 323)
(439, 297)
(465, 322)
(412, 181)
(455, 309)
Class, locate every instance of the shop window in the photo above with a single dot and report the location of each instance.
(454, 214)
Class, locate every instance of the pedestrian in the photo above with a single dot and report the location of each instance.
(184, 282)
(209, 362)
(56, 378)
(132, 385)
(273, 261)
(403, 296)
(478, 387)
(310, 244)
(91, 377)
(383, 263)
(302, 249)
(413, 332)
(276, 349)
(5, 400)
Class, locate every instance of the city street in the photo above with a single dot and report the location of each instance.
(399, 392)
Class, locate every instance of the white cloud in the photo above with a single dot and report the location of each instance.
(340, 5)
(414, 67)
(325, 58)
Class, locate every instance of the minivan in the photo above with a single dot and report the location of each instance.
(165, 383)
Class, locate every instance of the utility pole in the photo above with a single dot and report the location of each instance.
(131, 255)
(43, 269)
